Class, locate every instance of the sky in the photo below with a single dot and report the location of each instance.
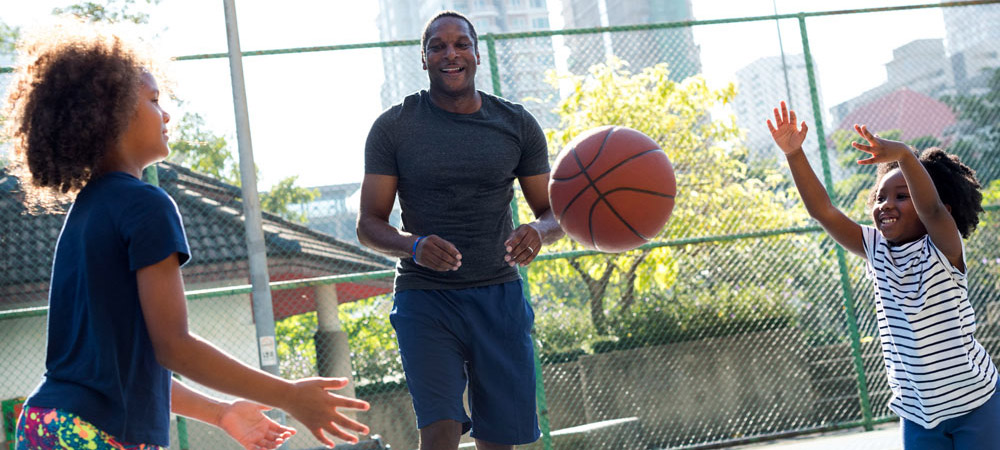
(310, 113)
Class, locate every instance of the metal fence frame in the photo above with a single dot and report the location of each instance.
(868, 421)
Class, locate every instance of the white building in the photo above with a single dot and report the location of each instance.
(972, 41)
(641, 49)
(920, 66)
(761, 86)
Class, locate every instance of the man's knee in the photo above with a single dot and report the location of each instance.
(441, 435)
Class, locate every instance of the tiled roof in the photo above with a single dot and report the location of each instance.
(915, 114)
(212, 214)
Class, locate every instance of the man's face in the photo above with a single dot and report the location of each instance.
(450, 57)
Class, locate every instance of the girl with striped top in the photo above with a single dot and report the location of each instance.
(941, 378)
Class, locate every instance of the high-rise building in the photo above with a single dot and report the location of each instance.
(640, 49)
(973, 44)
(920, 66)
(521, 62)
(760, 86)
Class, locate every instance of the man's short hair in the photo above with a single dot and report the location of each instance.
(447, 13)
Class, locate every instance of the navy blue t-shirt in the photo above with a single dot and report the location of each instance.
(99, 359)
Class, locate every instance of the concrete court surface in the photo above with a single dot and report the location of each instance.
(883, 437)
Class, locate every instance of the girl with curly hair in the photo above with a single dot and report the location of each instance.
(942, 380)
(85, 119)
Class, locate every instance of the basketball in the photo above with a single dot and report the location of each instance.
(612, 189)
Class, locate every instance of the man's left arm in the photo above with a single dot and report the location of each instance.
(527, 240)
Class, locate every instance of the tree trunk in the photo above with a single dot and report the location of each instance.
(628, 297)
(596, 287)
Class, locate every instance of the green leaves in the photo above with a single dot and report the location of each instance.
(719, 193)
(109, 11)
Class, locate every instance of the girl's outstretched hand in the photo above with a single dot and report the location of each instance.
(317, 409)
(785, 134)
(882, 150)
(245, 421)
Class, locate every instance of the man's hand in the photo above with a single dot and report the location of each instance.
(435, 253)
(523, 245)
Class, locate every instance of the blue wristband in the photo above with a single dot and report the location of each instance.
(413, 253)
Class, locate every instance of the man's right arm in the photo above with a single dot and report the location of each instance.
(378, 194)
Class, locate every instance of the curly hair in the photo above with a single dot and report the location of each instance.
(71, 100)
(956, 185)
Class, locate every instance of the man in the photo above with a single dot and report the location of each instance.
(451, 154)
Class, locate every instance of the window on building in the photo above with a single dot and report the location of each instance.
(518, 23)
(537, 3)
(461, 6)
(516, 3)
(540, 22)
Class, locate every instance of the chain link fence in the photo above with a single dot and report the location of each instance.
(742, 321)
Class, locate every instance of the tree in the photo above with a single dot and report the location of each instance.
(977, 136)
(8, 38)
(109, 11)
(8, 43)
(718, 193)
(206, 152)
(196, 147)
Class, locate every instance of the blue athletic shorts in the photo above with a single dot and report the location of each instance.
(478, 337)
(978, 429)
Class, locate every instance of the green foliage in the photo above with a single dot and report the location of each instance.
(206, 152)
(978, 133)
(285, 193)
(718, 193)
(296, 346)
(372, 341)
(8, 38)
(374, 352)
(203, 151)
(108, 11)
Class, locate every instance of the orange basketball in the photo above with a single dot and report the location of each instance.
(612, 189)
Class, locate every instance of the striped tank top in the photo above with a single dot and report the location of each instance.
(936, 368)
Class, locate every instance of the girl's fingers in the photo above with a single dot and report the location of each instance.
(791, 117)
(863, 147)
(777, 117)
(770, 126)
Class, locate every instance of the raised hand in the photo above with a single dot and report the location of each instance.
(317, 409)
(784, 132)
(523, 245)
(881, 150)
(245, 421)
(433, 252)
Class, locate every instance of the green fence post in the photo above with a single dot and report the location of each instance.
(151, 175)
(845, 282)
(543, 407)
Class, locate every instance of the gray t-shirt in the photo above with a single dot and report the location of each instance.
(456, 177)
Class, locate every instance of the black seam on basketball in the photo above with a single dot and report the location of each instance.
(620, 163)
(590, 218)
(583, 169)
(644, 191)
(590, 184)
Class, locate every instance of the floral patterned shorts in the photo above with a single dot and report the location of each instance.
(48, 428)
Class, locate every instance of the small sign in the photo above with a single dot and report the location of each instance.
(268, 351)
